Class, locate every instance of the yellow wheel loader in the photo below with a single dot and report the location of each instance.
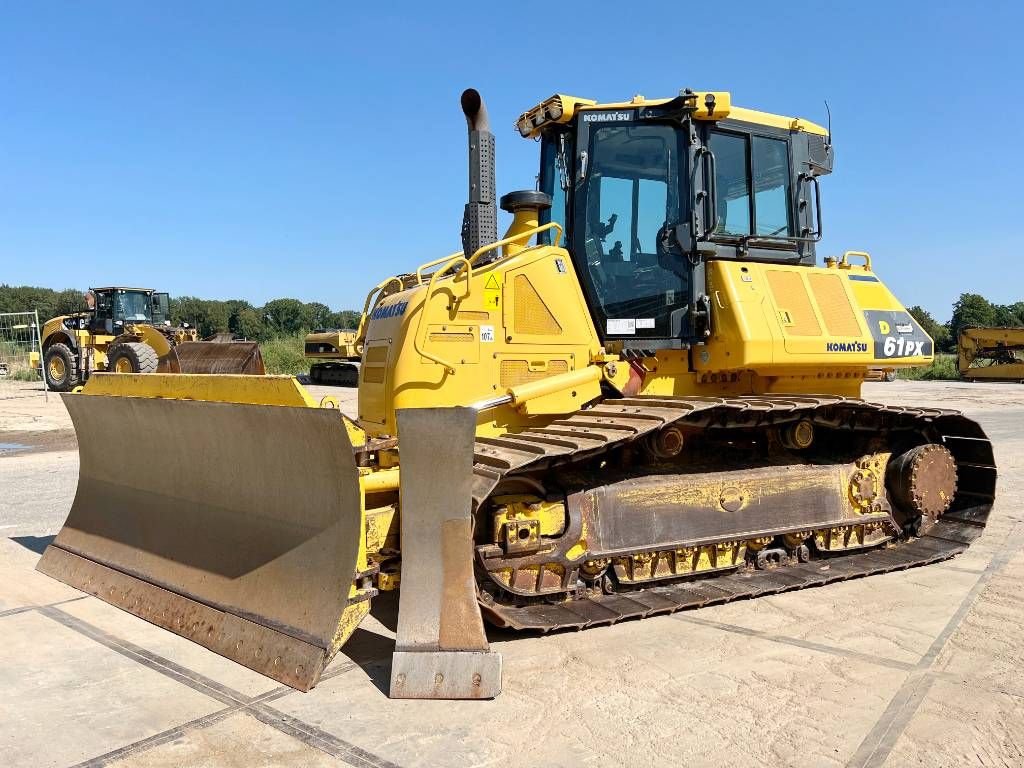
(128, 330)
(335, 355)
(644, 398)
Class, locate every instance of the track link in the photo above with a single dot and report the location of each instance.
(614, 423)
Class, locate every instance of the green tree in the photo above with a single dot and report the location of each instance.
(248, 323)
(284, 316)
(208, 317)
(971, 310)
(317, 316)
(69, 301)
(348, 319)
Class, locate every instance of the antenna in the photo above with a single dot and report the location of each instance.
(829, 113)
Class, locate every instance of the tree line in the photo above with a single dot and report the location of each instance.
(279, 317)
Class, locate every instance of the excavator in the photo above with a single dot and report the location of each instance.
(643, 398)
(334, 356)
(991, 354)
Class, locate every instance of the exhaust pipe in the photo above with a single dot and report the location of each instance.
(480, 219)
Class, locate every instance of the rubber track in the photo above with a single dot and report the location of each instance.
(618, 422)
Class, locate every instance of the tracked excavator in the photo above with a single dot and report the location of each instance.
(644, 398)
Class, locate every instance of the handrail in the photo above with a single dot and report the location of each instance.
(416, 339)
(844, 261)
(435, 262)
(376, 291)
(517, 238)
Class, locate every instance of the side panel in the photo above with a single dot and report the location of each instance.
(516, 320)
(778, 319)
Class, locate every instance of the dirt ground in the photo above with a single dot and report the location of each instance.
(921, 668)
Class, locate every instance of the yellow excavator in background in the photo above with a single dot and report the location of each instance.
(128, 330)
(991, 354)
(643, 398)
(335, 355)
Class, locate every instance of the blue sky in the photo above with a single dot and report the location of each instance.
(259, 150)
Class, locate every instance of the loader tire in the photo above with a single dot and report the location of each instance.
(132, 357)
(60, 366)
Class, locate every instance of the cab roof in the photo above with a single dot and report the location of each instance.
(122, 288)
(709, 106)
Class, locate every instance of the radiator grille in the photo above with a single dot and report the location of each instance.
(532, 315)
(834, 304)
(515, 372)
(794, 303)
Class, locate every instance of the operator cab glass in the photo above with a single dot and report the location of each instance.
(625, 205)
(133, 307)
(117, 306)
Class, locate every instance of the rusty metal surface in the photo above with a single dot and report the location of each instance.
(269, 652)
(589, 433)
(214, 357)
(441, 648)
(250, 516)
(666, 511)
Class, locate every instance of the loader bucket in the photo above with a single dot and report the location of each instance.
(234, 525)
(213, 357)
(441, 650)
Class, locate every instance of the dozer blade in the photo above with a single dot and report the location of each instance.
(441, 651)
(236, 526)
(213, 357)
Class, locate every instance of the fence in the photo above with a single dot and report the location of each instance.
(21, 355)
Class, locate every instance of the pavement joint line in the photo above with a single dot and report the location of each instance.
(902, 666)
(151, 661)
(159, 739)
(322, 740)
(878, 744)
(178, 731)
(34, 607)
(236, 701)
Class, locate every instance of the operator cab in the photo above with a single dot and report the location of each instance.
(649, 191)
(116, 307)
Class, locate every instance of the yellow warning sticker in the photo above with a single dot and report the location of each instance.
(492, 293)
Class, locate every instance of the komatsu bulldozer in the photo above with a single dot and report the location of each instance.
(643, 398)
(128, 330)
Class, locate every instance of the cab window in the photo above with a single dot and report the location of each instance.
(753, 195)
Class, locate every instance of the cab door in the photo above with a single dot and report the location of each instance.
(629, 199)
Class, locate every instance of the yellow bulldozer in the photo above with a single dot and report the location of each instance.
(991, 354)
(334, 355)
(643, 398)
(128, 330)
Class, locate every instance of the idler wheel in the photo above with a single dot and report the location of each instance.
(923, 483)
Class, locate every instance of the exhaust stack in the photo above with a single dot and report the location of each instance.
(480, 220)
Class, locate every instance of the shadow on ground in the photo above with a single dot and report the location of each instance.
(34, 543)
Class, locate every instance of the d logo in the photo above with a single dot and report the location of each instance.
(883, 327)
